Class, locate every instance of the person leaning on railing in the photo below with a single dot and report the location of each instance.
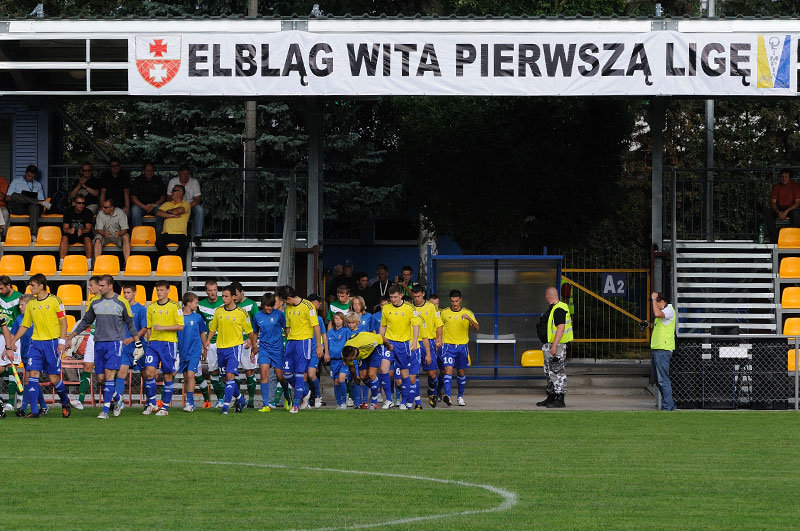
(784, 203)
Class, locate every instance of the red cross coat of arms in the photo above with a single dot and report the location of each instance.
(158, 59)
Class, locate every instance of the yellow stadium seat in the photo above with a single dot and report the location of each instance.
(791, 326)
(70, 323)
(44, 264)
(791, 297)
(173, 294)
(141, 295)
(532, 358)
(138, 265)
(106, 264)
(52, 215)
(75, 265)
(143, 236)
(70, 294)
(48, 236)
(789, 238)
(12, 265)
(169, 266)
(18, 236)
(790, 267)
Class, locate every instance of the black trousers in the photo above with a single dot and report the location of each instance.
(181, 239)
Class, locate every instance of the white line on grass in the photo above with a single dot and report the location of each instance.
(509, 498)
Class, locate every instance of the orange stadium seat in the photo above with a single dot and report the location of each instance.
(790, 267)
(138, 265)
(48, 236)
(44, 264)
(791, 297)
(70, 294)
(70, 323)
(18, 236)
(791, 326)
(12, 265)
(789, 238)
(141, 295)
(173, 294)
(169, 266)
(143, 236)
(106, 264)
(75, 265)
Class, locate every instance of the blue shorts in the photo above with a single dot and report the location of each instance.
(434, 364)
(43, 356)
(271, 357)
(127, 356)
(396, 371)
(191, 362)
(455, 356)
(313, 363)
(228, 359)
(372, 361)
(416, 361)
(107, 355)
(401, 353)
(298, 356)
(338, 367)
(164, 353)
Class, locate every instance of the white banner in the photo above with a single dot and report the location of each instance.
(299, 63)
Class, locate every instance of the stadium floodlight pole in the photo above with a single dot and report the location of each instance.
(250, 125)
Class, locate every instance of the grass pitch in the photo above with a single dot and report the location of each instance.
(567, 469)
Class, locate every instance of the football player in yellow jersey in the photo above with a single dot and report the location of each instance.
(457, 322)
(431, 333)
(401, 327)
(301, 325)
(164, 319)
(363, 346)
(230, 324)
(46, 313)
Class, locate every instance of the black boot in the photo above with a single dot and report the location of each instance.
(558, 401)
(548, 400)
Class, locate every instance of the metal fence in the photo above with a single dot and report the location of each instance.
(607, 319)
(734, 373)
(225, 197)
(717, 204)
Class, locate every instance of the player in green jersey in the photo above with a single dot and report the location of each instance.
(206, 307)
(9, 308)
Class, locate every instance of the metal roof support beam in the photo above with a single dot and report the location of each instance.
(658, 110)
(315, 108)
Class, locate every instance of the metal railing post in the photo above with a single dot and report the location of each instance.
(796, 373)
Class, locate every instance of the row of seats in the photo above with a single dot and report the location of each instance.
(72, 294)
(50, 235)
(137, 265)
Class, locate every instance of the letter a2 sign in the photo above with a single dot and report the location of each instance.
(613, 284)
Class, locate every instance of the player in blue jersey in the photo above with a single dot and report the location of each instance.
(190, 348)
(313, 366)
(269, 325)
(337, 336)
(140, 321)
(360, 392)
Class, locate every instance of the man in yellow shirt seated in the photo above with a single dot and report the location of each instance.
(176, 213)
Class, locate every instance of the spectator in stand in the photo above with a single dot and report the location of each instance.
(26, 196)
(193, 197)
(405, 282)
(77, 228)
(115, 184)
(88, 187)
(111, 226)
(362, 288)
(147, 195)
(330, 287)
(4, 217)
(379, 289)
(784, 203)
(347, 278)
(175, 214)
